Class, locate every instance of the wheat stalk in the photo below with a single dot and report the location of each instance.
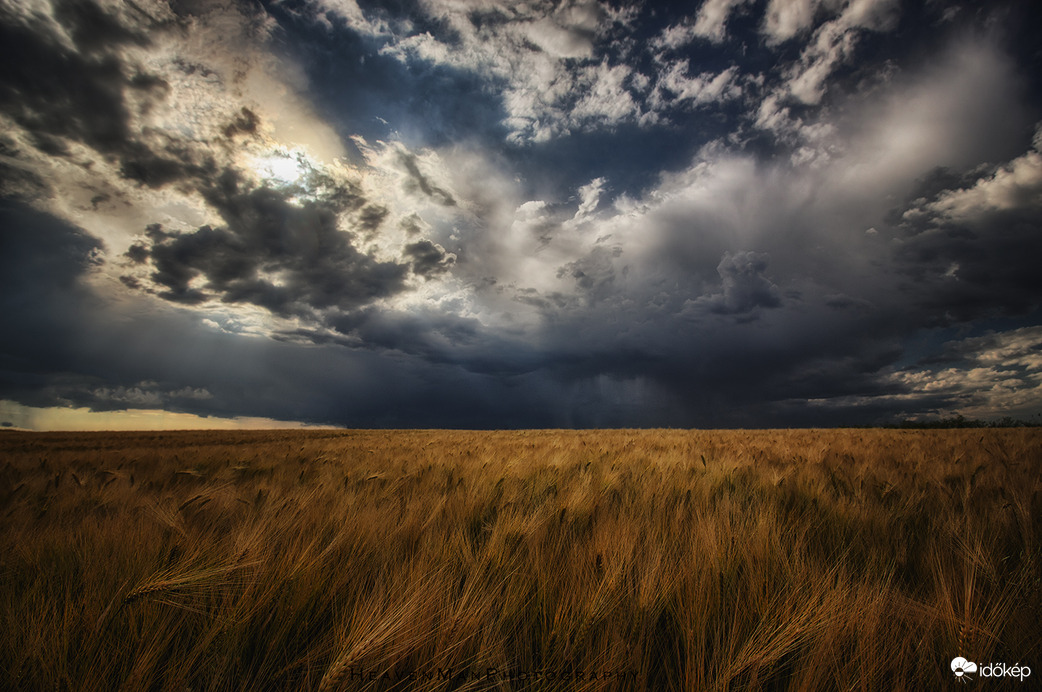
(172, 582)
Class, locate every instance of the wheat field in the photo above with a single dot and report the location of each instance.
(557, 560)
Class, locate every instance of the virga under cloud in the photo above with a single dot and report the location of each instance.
(501, 214)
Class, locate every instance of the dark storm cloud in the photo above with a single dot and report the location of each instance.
(89, 92)
(435, 337)
(139, 254)
(418, 181)
(62, 345)
(41, 256)
(155, 169)
(291, 259)
(971, 248)
(244, 124)
(18, 181)
(728, 370)
(370, 218)
(745, 286)
(839, 301)
(964, 273)
(594, 274)
(56, 92)
(428, 259)
(59, 92)
(412, 224)
(93, 29)
(42, 262)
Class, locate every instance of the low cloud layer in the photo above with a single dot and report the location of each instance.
(500, 215)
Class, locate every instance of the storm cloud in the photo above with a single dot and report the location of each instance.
(501, 215)
(286, 258)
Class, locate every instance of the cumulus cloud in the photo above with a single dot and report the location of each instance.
(712, 18)
(542, 58)
(980, 376)
(745, 286)
(286, 258)
(787, 18)
(606, 96)
(675, 86)
(589, 198)
(1017, 185)
(710, 23)
(428, 259)
(594, 274)
(833, 42)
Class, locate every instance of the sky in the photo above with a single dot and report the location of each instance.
(496, 214)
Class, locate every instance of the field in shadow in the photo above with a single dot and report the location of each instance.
(578, 560)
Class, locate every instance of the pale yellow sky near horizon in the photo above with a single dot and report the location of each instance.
(56, 418)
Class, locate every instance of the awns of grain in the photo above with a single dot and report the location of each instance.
(350, 560)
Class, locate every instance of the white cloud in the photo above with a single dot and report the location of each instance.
(711, 22)
(673, 37)
(994, 374)
(961, 109)
(810, 212)
(557, 40)
(605, 96)
(675, 87)
(353, 16)
(787, 18)
(833, 44)
(876, 15)
(148, 395)
(1017, 185)
(135, 396)
(589, 198)
(214, 67)
(543, 59)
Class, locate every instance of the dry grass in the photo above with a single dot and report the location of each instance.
(685, 560)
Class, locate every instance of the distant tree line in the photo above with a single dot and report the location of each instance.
(963, 422)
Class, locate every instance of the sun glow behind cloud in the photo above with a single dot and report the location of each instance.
(282, 167)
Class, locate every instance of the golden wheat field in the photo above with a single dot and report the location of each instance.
(557, 560)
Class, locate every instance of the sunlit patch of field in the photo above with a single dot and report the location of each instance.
(665, 560)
